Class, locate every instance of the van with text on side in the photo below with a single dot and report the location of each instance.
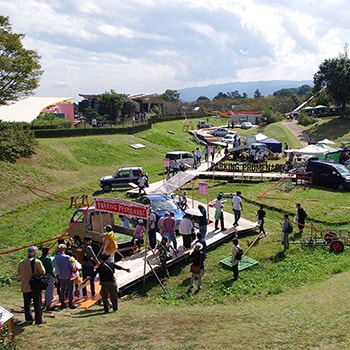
(329, 174)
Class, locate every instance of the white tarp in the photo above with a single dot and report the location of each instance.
(326, 141)
(310, 149)
(28, 109)
(259, 137)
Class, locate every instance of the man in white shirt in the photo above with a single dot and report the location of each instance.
(237, 207)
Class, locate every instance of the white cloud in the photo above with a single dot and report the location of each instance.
(149, 46)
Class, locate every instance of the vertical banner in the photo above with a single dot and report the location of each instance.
(202, 188)
(211, 149)
(166, 162)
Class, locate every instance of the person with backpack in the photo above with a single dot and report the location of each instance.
(301, 216)
(287, 229)
(237, 253)
(88, 260)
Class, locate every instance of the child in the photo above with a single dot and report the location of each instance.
(138, 233)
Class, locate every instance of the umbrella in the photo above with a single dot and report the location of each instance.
(193, 211)
(326, 141)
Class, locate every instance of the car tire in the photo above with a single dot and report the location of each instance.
(106, 188)
(340, 187)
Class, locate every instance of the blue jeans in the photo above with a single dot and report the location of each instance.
(49, 292)
(237, 216)
(203, 230)
(172, 238)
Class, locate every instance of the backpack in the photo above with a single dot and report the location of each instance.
(289, 228)
(81, 255)
(239, 253)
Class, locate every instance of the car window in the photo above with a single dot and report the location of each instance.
(166, 205)
(123, 174)
(170, 156)
(135, 173)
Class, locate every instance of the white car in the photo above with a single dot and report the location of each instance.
(220, 132)
(231, 138)
(246, 125)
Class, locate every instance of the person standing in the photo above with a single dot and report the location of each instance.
(47, 263)
(152, 229)
(237, 207)
(203, 221)
(137, 235)
(169, 225)
(185, 229)
(261, 214)
(161, 223)
(219, 215)
(25, 272)
(285, 232)
(198, 154)
(163, 253)
(234, 261)
(206, 152)
(109, 242)
(64, 268)
(175, 166)
(108, 283)
(88, 264)
(301, 216)
(142, 183)
(197, 258)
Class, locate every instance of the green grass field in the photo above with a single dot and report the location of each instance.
(293, 300)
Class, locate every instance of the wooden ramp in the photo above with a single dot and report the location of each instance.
(140, 269)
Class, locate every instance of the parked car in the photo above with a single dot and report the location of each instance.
(220, 132)
(161, 203)
(181, 157)
(246, 125)
(203, 124)
(329, 174)
(121, 178)
(230, 138)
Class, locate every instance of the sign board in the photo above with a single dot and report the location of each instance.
(120, 206)
(202, 188)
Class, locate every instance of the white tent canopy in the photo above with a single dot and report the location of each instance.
(260, 137)
(310, 150)
(28, 109)
(326, 141)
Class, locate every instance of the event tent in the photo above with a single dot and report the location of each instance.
(272, 144)
(309, 150)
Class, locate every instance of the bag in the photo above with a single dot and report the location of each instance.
(195, 269)
(289, 228)
(38, 282)
(239, 254)
(81, 255)
(302, 214)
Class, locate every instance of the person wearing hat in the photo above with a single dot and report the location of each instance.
(24, 270)
(64, 268)
(197, 257)
(219, 215)
(137, 235)
(152, 224)
(109, 242)
(108, 283)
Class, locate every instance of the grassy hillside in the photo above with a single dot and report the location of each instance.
(284, 302)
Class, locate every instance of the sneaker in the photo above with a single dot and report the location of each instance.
(42, 322)
(190, 288)
(73, 306)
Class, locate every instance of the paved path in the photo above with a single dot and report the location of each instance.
(297, 131)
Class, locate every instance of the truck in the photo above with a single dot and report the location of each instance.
(91, 222)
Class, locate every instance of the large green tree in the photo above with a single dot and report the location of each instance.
(111, 104)
(20, 70)
(334, 75)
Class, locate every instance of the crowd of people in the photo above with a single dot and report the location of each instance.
(73, 269)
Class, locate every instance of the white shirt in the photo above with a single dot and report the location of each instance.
(185, 227)
(236, 203)
(218, 205)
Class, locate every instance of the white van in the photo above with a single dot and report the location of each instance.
(181, 156)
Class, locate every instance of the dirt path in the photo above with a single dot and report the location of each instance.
(298, 132)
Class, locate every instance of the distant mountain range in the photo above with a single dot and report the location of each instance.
(266, 88)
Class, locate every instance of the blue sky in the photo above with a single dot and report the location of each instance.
(149, 46)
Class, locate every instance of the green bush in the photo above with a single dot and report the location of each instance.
(16, 141)
(306, 120)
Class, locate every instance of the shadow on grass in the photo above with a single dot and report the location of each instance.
(280, 256)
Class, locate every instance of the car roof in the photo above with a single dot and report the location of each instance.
(130, 167)
(156, 196)
(177, 152)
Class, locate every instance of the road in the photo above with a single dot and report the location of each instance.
(298, 132)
